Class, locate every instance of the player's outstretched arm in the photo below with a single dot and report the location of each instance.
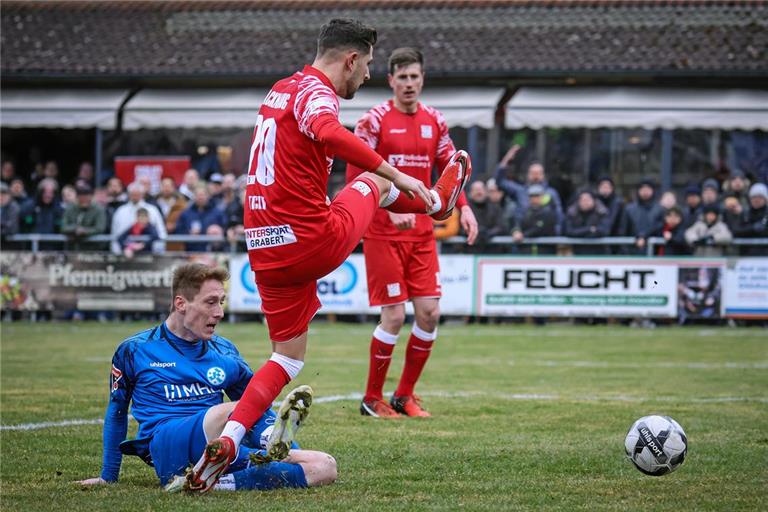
(411, 186)
(115, 432)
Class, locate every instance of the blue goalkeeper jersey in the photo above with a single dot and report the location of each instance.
(168, 377)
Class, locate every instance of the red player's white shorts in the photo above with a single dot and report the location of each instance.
(399, 271)
(289, 295)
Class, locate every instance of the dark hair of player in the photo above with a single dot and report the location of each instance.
(344, 34)
(189, 278)
(405, 56)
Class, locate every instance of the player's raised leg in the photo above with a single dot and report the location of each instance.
(417, 353)
(446, 191)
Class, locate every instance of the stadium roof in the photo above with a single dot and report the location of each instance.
(185, 42)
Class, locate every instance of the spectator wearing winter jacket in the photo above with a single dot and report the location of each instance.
(84, 218)
(534, 176)
(754, 221)
(644, 216)
(738, 185)
(587, 218)
(606, 193)
(673, 232)
(710, 193)
(732, 212)
(43, 215)
(538, 220)
(709, 234)
(9, 212)
(490, 220)
(200, 218)
(692, 208)
(142, 227)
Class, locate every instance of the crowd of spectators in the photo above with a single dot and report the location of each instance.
(79, 210)
(702, 222)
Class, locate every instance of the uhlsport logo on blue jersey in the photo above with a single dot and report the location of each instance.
(340, 281)
(216, 376)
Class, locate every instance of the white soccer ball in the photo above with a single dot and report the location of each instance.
(656, 445)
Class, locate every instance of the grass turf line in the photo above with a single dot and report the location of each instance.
(481, 451)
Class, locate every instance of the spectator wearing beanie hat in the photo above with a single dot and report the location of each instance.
(644, 216)
(710, 192)
(754, 221)
(692, 208)
(606, 193)
(738, 185)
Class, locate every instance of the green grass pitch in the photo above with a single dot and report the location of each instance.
(524, 418)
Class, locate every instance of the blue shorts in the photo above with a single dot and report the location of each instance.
(179, 442)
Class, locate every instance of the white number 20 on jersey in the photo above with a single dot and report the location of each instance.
(262, 159)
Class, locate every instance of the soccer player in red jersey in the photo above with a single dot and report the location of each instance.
(400, 251)
(294, 234)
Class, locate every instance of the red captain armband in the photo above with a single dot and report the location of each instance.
(344, 144)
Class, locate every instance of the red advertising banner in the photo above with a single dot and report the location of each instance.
(131, 168)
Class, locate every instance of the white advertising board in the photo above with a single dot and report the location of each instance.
(576, 287)
(746, 288)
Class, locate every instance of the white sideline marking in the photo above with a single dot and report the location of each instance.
(50, 424)
(452, 394)
(697, 366)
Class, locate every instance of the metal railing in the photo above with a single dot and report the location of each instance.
(651, 243)
(650, 248)
(35, 239)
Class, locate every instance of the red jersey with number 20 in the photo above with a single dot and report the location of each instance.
(285, 213)
(413, 143)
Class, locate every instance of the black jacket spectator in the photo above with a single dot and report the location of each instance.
(733, 212)
(645, 215)
(606, 193)
(537, 220)
(490, 219)
(9, 212)
(43, 215)
(673, 231)
(692, 209)
(199, 218)
(754, 221)
(587, 218)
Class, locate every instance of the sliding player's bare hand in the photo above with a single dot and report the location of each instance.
(90, 482)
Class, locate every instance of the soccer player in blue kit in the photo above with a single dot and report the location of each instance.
(174, 377)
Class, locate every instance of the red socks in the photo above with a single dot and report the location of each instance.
(416, 356)
(381, 356)
(262, 390)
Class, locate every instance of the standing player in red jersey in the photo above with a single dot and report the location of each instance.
(295, 235)
(400, 250)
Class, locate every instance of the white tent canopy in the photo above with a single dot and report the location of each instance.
(155, 108)
(193, 108)
(638, 107)
(461, 106)
(60, 108)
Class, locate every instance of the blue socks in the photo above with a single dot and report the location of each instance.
(265, 477)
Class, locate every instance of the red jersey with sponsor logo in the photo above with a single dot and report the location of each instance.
(286, 211)
(413, 143)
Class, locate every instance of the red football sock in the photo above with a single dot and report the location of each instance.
(416, 356)
(404, 204)
(262, 390)
(381, 356)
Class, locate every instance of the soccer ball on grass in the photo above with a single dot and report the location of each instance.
(656, 445)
